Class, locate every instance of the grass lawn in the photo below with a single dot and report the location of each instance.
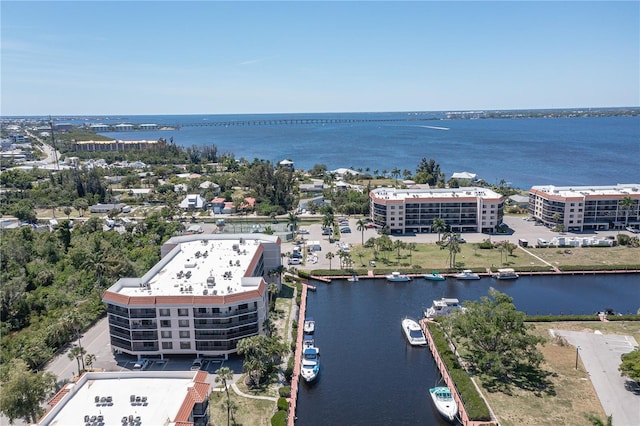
(430, 257)
(573, 396)
(249, 412)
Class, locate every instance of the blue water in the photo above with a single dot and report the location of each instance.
(369, 373)
(524, 152)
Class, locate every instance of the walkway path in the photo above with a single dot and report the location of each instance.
(539, 258)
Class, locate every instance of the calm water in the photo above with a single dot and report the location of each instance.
(371, 376)
(525, 152)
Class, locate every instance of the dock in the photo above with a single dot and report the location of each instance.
(463, 417)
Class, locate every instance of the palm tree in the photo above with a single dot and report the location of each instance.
(292, 220)
(77, 353)
(224, 375)
(329, 256)
(439, 226)
(89, 360)
(450, 241)
(398, 244)
(361, 225)
(626, 204)
(395, 173)
(411, 247)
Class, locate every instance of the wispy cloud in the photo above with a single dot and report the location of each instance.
(257, 60)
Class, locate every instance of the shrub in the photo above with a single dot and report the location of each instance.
(285, 391)
(279, 418)
(283, 404)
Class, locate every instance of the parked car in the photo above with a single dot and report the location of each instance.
(141, 364)
(295, 261)
(631, 229)
(302, 231)
(370, 225)
(326, 231)
(345, 230)
(197, 364)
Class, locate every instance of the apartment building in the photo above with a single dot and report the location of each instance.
(580, 208)
(469, 209)
(132, 399)
(206, 293)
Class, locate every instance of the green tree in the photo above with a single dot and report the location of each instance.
(89, 360)
(496, 340)
(626, 204)
(439, 226)
(361, 225)
(224, 375)
(77, 353)
(398, 244)
(450, 241)
(595, 421)
(24, 391)
(630, 366)
(329, 256)
(292, 221)
(429, 172)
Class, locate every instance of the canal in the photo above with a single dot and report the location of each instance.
(371, 376)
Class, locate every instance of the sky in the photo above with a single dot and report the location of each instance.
(208, 57)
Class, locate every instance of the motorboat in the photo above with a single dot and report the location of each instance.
(444, 402)
(442, 307)
(413, 332)
(467, 274)
(434, 276)
(309, 326)
(505, 274)
(398, 277)
(310, 366)
(307, 342)
(353, 278)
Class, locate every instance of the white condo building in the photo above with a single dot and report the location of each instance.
(469, 209)
(206, 293)
(580, 208)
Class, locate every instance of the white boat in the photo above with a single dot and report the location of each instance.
(505, 274)
(442, 307)
(467, 274)
(353, 278)
(307, 342)
(398, 277)
(413, 332)
(444, 402)
(434, 276)
(309, 325)
(310, 366)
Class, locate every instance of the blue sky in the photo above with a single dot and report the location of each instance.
(161, 57)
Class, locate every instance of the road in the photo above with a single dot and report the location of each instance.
(600, 355)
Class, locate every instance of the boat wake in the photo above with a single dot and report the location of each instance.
(435, 127)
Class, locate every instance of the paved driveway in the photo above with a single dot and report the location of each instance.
(600, 354)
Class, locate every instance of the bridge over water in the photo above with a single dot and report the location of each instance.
(294, 121)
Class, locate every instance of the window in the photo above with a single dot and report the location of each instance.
(185, 345)
(165, 334)
(167, 345)
(183, 312)
(184, 334)
(183, 323)
(165, 312)
(165, 323)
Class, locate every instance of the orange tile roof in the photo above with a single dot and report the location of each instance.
(195, 395)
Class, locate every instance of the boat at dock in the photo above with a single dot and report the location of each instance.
(444, 402)
(467, 274)
(413, 332)
(353, 278)
(398, 277)
(505, 274)
(442, 307)
(434, 276)
(310, 366)
(309, 325)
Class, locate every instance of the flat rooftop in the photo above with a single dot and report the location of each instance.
(435, 193)
(199, 267)
(165, 392)
(623, 189)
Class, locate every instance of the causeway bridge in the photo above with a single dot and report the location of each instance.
(301, 121)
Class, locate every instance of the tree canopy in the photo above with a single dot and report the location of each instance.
(495, 338)
(630, 366)
(23, 391)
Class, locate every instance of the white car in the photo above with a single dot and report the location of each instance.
(141, 364)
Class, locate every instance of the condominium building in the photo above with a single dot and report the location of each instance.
(579, 208)
(206, 293)
(470, 209)
(132, 399)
